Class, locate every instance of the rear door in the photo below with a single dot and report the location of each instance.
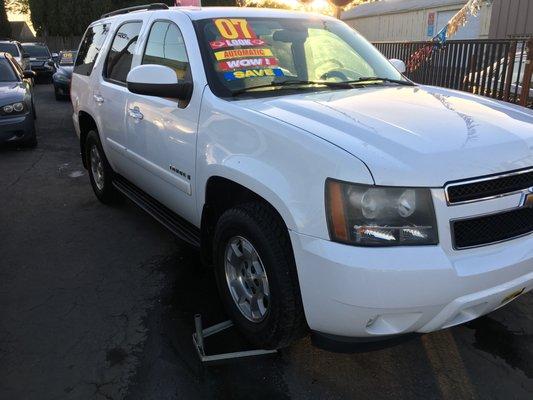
(162, 132)
(110, 95)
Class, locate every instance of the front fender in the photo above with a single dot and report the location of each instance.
(285, 165)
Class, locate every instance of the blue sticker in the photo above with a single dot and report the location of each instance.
(252, 73)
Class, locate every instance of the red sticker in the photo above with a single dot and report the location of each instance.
(221, 44)
(243, 63)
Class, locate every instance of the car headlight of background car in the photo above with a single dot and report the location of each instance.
(13, 108)
(380, 216)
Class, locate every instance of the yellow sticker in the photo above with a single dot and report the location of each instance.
(242, 53)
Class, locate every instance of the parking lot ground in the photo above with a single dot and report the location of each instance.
(97, 302)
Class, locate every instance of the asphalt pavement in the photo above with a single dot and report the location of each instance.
(97, 302)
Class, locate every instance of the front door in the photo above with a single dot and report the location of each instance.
(162, 132)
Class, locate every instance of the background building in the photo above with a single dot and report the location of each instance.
(415, 20)
(21, 31)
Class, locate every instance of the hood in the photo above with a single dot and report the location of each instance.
(11, 92)
(413, 136)
(65, 70)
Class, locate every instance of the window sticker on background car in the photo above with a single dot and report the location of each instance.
(247, 63)
(234, 28)
(252, 73)
(221, 44)
(242, 53)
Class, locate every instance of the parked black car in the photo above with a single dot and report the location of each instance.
(41, 60)
(63, 74)
(17, 112)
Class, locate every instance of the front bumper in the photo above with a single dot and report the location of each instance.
(17, 128)
(62, 88)
(351, 291)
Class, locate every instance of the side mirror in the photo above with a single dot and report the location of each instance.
(399, 65)
(25, 55)
(159, 81)
(28, 74)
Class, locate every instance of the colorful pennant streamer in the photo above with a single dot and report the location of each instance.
(460, 19)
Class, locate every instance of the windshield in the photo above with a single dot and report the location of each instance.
(67, 57)
(10, 48)
(6, 71)
(36, 51)
(243, 53)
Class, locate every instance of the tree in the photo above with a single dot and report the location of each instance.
(70, 17)
(331, 7)
(5, 28)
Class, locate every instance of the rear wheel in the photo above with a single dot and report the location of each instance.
(256, 276)
(100, 172)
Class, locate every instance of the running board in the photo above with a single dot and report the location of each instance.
(168, 218)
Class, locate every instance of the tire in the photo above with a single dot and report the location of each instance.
(102, 183)
(31, 142)
(283, 321)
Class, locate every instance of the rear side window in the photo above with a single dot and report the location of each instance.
(165, 46)
(120, 56)
(90, 46)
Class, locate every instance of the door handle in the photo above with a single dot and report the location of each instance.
(98, 99)
(135, 113)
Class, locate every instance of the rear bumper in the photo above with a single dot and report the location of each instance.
(359, 292)
(43, 71)
(17, 129)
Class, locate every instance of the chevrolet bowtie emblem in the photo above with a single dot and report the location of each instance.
(527, 200)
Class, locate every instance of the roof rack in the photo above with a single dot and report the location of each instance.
(146, 7)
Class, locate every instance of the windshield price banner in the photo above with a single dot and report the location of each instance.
(221, 44)
(253, 73)
(248, 63)
(242, 53)
(251, 62)
(234, 29)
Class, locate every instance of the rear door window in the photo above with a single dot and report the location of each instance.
(90, 47)
(120, 56)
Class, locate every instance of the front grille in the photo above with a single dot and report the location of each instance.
(489, 187)
(492, 228)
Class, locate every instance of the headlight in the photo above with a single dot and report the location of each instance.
(13, 109)
(380, 216)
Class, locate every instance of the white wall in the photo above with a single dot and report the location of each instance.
(413, 25)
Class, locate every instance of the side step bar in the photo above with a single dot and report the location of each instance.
(169, 219)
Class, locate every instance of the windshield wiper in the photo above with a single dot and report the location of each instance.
(290, 82)
(378, 78)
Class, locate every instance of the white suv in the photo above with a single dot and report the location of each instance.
(328, 192)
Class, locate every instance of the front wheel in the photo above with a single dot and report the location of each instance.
(256, 276)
